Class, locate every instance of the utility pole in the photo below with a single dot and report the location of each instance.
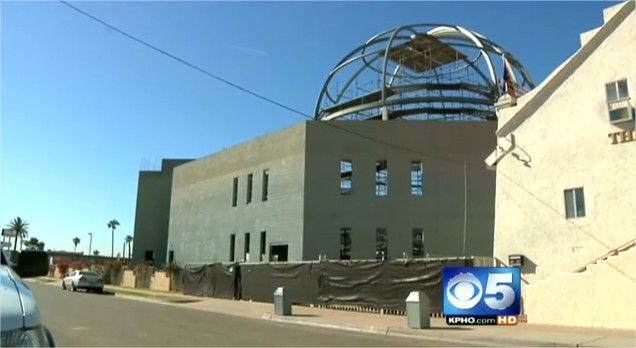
(465, 207)
(90, 244)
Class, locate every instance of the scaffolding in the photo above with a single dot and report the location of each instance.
(420, 72)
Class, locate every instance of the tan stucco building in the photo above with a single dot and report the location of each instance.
(566, 174)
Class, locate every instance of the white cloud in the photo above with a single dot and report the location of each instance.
(251, 50)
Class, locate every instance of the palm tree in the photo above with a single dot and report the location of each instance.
(129, 240)
(21, 229)
(32, 243)
(76, 241)
(112, 224)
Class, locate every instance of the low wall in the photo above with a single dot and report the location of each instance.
(160, 282)
(129, 280)
(603, 296)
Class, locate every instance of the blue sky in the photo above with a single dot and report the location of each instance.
(81, 105)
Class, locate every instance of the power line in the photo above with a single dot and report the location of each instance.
(182, 61)
(329, 124)
(547, 235)
(252, 93)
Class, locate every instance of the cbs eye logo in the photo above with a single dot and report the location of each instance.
(482, 291)
(464, 291)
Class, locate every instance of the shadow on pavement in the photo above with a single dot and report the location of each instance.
(305, 315)
(182, 301)
(103, 293)
(452, 328)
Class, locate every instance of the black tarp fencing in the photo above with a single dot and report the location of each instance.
(374, 284)
(259, 281)
(381, 285)
(215, 280)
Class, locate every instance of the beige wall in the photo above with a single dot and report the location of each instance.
(602, 296)
(564, 144)
(160, 282)
(129, 279)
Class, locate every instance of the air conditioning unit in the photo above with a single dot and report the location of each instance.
(621, 111)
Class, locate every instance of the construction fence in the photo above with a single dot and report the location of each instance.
(380, 286)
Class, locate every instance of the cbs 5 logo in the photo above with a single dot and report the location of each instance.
(482, 291)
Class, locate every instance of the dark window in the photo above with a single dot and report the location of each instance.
(150, 255)
(345, 244)
(246, 255)
(574, 203)
(381, 178)
(346, 177)
(171, 256)
(417, 178)
(232, 244)
(250, 178)
(265, 184)
(263, 246)
(381, 245)
(418, 243)
(234, 191)
(278, 253)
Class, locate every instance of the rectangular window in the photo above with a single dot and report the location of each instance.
(263, 246)
(616, 91)
(346, 177)
(171, 256)
(246, 248)
(381, 178)
(232, 244)
(417, 178)
(278, 253)
(265, 185)
(345, 244)
(381, 244)
(250, 179)
(234, 191)
(620, 109)
(574, 203)
(418, 243)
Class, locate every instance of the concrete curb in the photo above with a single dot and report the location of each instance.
(386, 331)
(404, 333)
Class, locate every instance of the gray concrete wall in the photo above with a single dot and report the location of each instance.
(440, 211)
(153, 211)
(202, 217)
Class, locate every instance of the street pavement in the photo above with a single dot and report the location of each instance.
(80, 319)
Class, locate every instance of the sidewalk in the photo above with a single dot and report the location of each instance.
(521, 335)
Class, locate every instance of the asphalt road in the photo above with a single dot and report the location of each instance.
(80, 319)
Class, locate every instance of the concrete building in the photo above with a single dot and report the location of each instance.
(153, 212)
(347, 190)
(566, 169)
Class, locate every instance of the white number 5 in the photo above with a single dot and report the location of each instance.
(496, 286)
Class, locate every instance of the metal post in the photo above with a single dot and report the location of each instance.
(90, 244)
(465, 207)
(418, 310)
(282, 302)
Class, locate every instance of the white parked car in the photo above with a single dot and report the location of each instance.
(87, 280)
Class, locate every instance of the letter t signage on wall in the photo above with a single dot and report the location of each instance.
(622, 137)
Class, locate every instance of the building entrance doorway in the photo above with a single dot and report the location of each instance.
(278, 253)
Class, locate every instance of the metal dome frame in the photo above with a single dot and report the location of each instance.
(420, 74)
